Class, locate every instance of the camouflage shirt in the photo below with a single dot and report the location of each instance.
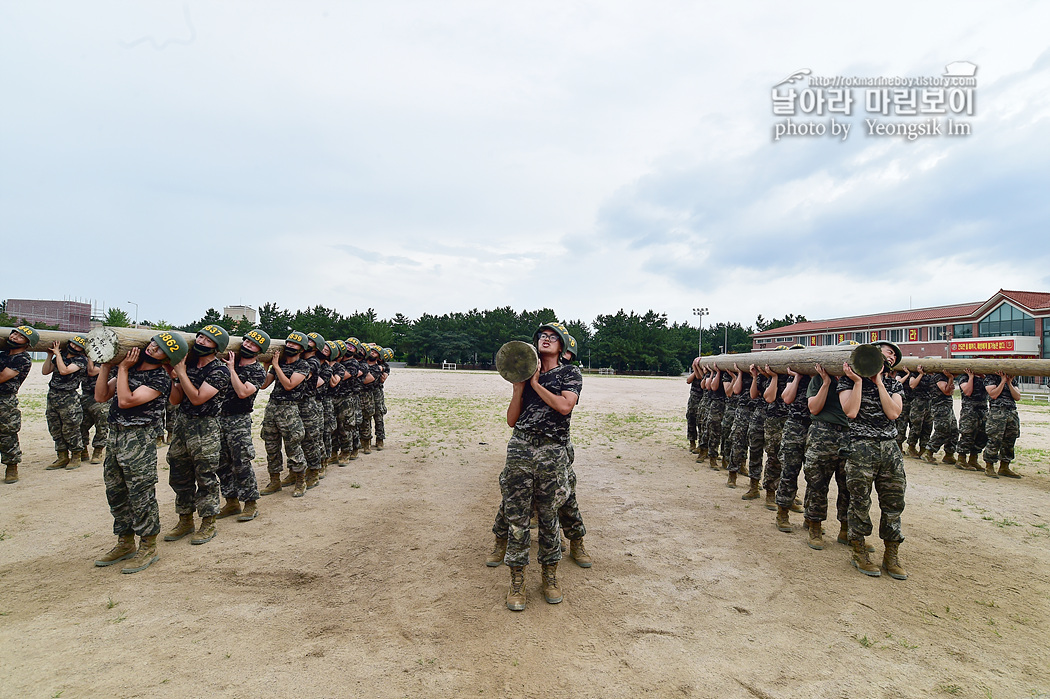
(832, 411)
(1005, 401)
(376, 371)
(340, 388)
(311, 378)
(279, 394)
(150, 412)
(69, 382)
(214, 373)
(777, 407)
(936, 394)
(718, 393)
(799, 408)
(871, 421)
(325, 374)
(540, 419)
(695, 388)
(979, 394)
(21, 363)
(87, 384)
(922, 389)
(252, 374)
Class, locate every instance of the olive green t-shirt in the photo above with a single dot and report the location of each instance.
(832, 411)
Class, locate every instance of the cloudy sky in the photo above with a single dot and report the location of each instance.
(424, 157)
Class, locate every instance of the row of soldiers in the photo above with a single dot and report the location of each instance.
(325, 398)
(799, 423)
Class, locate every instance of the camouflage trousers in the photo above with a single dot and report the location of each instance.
(347, 412)
(692, 409)
(756, 441)
(170, 413)
(728, 418)
(792, 453)
(380, 412)
(368, 411)
(826, 447)
(702, 422)
(878, 463)
(281, 423)
(536, 473)
(193, 459)
(1004, 427)
(236, 472)
(10, 424)
(945, 428)
(715, 413)
(328, 406)
(901, 423)
(973, 427)
(738, 438)
(95, 415)
(64, 416)
(569, 516)
(920, 423)
(774, 431)
(312, 415)
(130, 475)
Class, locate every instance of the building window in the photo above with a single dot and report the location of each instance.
(936, 332)
(896, 335)
(1006, 320)
(962, 330)
(860, 337)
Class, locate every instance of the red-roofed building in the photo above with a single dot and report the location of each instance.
(1013, 324)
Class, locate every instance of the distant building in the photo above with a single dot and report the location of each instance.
(70, 316)
(240, 313)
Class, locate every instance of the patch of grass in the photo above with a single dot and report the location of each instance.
(111, 603)
(952, 689)
(355, 485)
(1006, 522)
(864, 641)
(3, 534)
(990, 604)
(122, 617)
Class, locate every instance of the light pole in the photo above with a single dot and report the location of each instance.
(136, 313)
(701, 312)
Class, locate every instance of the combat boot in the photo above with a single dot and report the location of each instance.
(184, 527)
(289, 479)
(796, 506)
(578, 553)
(713, 462)
(928, 457)
(516, 594)
(85, 455)
(891, 563)
(499, 551)
(379, 445)
(843, 538)
(366, 446)
(273, 486)
(752, 492)
(96, 455)
(972, 462)
(861, 561)
(249, 513)
(1004, 470)
(60, 462)
(551, 593)
(11, 474)
(783, 520)
(816, 538)
(300, 485)
(731, 482)
(343, 458)
(949, 458)
(692, 446)
(912, 452)
(206, 532)
(353, 454)
(989, 470)
(231, 508)
(146, 556)
(125, 548)
(771, 500)
(313, 478)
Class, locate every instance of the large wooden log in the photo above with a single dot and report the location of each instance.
(107, 344)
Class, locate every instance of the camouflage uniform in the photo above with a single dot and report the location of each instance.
(715, 413)
(64, 413)
(728, 418)
(356, 388)
(1004, 424)
(10, 415)
(756, 431)
(701, 418)
(130, 468)
(826, 447)
(324, 395)
(95, 414)
(281, 422)
(942, 411)
(973, 418)
(236, 454)
(793, 444)
(569, 516)
(170, 413)
(905, 416)
(312, 415)
(692, 408)
(193, 457)
(537, 469)
(920, 421)
(773, 429)
(342, 410)
(741, 424)
(368, 402)
(874, 460)
(380, 399)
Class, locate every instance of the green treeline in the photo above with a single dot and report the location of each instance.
(625, 341)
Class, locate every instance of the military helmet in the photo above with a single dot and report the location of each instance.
(218, 334)
(797, 345)
(341, 346)
(896, 350)
(560, 330)
(297, 338)
(333, 349)
(779, 347)
(172, 345)
(572, 347)
(387, 354)
(259, 337)
(78, 340)
(317, 338)
(373, 347)
(28, 333)
(353, 341)
(848, 342)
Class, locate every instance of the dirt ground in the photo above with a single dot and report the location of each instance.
(374, 584)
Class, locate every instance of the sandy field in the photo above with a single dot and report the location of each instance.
(374, 584)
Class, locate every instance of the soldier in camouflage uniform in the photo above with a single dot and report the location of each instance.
(942, 411)
(1004, 425)
(776, 416)
(141, 387)
(64, 413)
(729, 416)
(385, 356)
(692, 408)
(15, 364)
(741, 387)
(537, 468)
(312, 414)
(359, 379)
(921, 421)
(328, 354)
(201, 382)
(792, 446)
(903, 378)
(827, 444)
(874, 459)
(368, 397)
(281, 422)
(715, 412)
(236, 474)
(973, 421)
(756, 431)
(701, 414)
(95, 415)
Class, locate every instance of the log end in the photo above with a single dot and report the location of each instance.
(103, 345)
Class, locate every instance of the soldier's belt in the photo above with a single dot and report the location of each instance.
(832, 426)
(535, 440)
